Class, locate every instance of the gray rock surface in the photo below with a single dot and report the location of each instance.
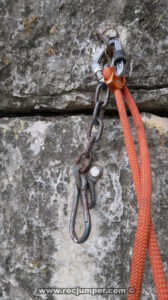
(46, 50)
(36, 183)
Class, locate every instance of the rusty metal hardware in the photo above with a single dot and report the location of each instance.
(84, 182)
(85, 172)
(86, 158)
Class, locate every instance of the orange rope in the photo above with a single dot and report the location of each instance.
(144, 217)
(154, 253)
(145, 234)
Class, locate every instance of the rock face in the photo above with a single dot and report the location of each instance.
(46, 50)
(37, 187)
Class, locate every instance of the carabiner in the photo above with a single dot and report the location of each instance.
(84, 182)
(81, 193)
(118, 59)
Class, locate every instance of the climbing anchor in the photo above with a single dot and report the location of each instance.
(86, 174)
(84, 182)
(108, 65)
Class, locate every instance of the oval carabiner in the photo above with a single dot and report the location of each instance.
(80, 193)
(118, 59)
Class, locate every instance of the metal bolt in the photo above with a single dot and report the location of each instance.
(111, 33)
(96, 171)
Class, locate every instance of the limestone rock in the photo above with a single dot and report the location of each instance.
(46, 50)
(37, 186)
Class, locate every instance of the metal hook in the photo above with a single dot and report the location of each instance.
(81, 193)
(84, 182)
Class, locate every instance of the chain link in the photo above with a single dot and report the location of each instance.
(86, 157)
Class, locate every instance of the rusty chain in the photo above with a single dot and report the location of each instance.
(85, 172)
(86, 157)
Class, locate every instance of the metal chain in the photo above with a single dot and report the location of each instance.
(86, 157)
(85, 172)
